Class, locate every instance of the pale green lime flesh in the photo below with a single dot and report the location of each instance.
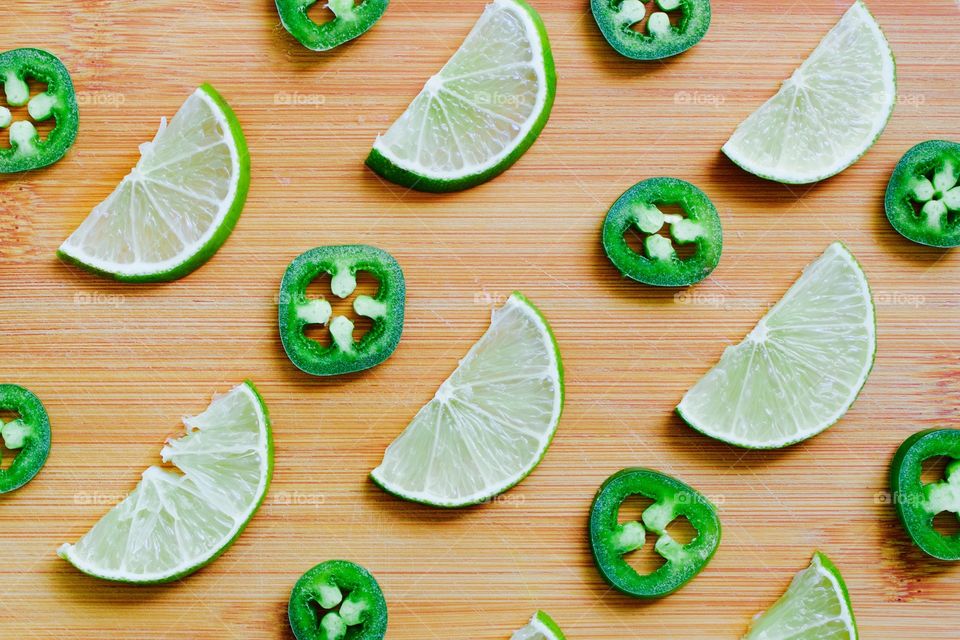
(540, 627)
(177, 205)
(176, 521)
(489, 423)
(800, 368)
(480, 112)
(814, 607)
(828, 113)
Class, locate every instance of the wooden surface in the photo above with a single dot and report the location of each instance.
(116, 365)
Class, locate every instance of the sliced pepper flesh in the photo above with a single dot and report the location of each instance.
(611, 541)
(923, 196)
(27, 149)
(918, 503)
(659, 264)
(28, 434)
(345, 354)
(351, 20)
(619, 22)
(335, 600)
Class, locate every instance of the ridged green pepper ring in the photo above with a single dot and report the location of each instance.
(28, 433)
(345, 354)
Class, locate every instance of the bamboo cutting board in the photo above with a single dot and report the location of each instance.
(116, 365)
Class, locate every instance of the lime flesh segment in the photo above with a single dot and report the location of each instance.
(177, 206)
(816, 606)
(828, 113)
(540, 627)
(174, 523)
(481, 112)
(800, 368)
(490, 422)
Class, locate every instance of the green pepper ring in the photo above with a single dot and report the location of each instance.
(339, 574)
(693, 25)
(674, 272)
(679, 499)
(908, 491)
(921, 160)
(44, 67)
(326, 36)
(377, 344)
(36, 441)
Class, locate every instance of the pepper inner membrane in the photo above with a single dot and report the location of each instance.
(637, 15)
(14, 433)
(661, 219)
(18, 109)
(942, 494)
(340, 612)
(935, 194)
(321, 288)
(322, 12)
(646, 559)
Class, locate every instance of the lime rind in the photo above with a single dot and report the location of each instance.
(199, 251)
(74, 553)
(742, 147)
(815, 606)
(388, 163)
(390, 474)
(695, 407)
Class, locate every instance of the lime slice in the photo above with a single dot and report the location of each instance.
(800, 368)
(491, 421)
(540, 627)
(174, 209)
(816, 606)
(828, 113)
(482, 111)
(174, 523)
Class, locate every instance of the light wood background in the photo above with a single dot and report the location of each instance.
(116, 365)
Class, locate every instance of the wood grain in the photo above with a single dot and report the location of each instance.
(117, 364)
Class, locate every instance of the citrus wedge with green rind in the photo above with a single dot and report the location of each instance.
(178, 520)
(816, 606)
(177, 206)
(540, 627)
(800, 368)
(481, 112)
(490, 422)
(828, 113)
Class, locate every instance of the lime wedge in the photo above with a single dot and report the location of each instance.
(800, 368)
(174, 523)
(482, 111)
(491, 421)
(540, 627)
(174, 209)
(816, 606)
(828, 113)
